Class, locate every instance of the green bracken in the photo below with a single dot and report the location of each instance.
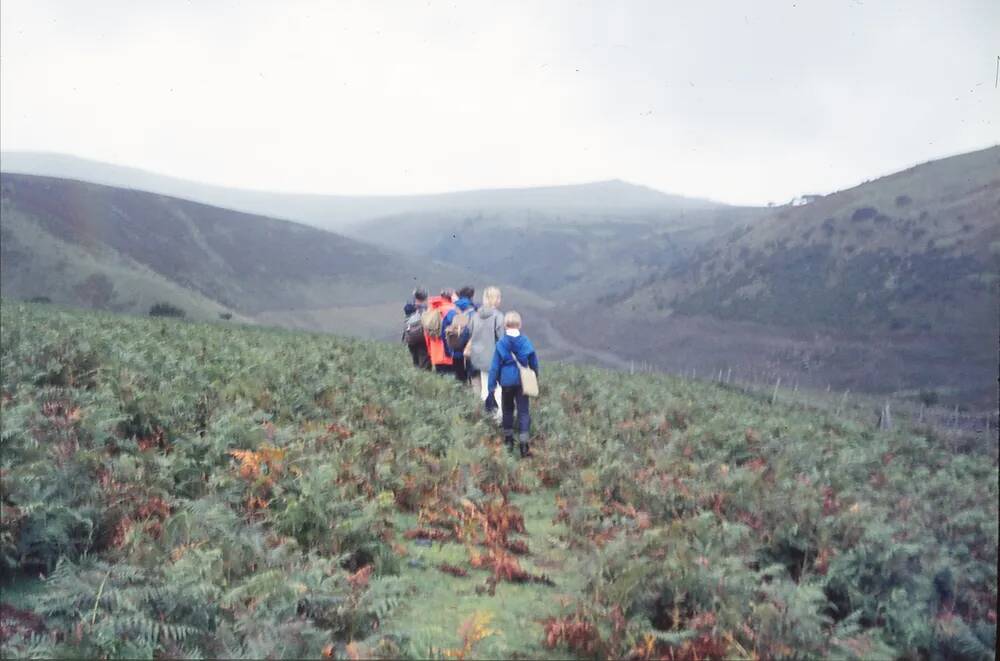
(194, 490)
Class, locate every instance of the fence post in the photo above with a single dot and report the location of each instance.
(885, 419)
(774, 395)
(729, 375)
(843, 402)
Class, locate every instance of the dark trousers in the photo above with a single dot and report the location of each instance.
(460, 365)
(421, 358)
(511, 397)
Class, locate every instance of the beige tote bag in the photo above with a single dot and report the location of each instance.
(529, 380)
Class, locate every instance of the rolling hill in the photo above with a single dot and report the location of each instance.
(607, 235)
(560, 254)
(335, 212)
(891, 285)
(109, 248)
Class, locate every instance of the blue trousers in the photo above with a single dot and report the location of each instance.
(511, 397)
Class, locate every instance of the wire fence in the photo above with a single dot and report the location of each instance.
(882, 411)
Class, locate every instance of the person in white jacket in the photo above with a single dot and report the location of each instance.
(486, 328)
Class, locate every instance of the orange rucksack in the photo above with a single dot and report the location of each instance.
(435, 345)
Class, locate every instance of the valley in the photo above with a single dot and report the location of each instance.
(888, 287)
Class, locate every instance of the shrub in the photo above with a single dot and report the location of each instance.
(929, 397)
(165, 310)
(864, 213)
(96, 291)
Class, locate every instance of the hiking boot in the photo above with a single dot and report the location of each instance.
(509, 440)
(525, 450)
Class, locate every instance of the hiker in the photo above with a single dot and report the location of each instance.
(512, 349)
(485, 328)
(454, 331)
(437, 308)
(413, 332)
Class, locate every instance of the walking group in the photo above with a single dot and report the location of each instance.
(481, 346)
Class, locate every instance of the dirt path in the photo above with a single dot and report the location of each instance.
(550, 339)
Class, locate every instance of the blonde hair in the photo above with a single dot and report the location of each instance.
(512, 320)
(491, 297)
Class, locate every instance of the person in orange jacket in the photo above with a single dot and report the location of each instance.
(440, 359)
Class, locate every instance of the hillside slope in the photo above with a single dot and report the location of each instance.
(891, 285)
(334, 212)
(208, 491)
(916, 250)
(111, 248)
(38, 265)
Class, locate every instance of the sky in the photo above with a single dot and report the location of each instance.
(740, 102)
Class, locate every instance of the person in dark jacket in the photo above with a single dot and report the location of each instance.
(413, 333)
(513, 348)
(463, 305)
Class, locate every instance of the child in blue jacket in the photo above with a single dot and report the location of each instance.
(512, 348)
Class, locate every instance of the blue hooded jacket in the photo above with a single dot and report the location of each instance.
(504, 368)
(462, 304)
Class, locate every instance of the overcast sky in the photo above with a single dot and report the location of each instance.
(742, 102)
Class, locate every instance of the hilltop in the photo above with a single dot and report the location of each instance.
(208, 490)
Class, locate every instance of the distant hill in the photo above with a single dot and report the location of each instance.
(905, 270)
(109, 248)
(337, 211)
(563, 254)
(891, 254)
